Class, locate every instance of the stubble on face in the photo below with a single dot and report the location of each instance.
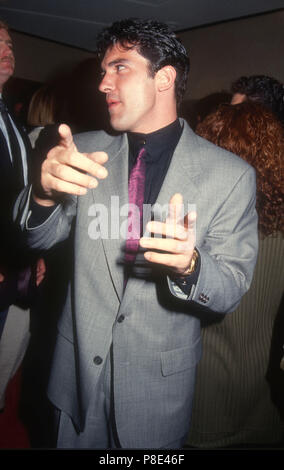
(130, 90)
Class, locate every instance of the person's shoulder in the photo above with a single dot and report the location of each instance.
(211, 155)
(227, 158)
(98, 141)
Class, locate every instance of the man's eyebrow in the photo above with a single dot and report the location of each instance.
(116, 61)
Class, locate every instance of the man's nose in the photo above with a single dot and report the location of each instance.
(106, 84)
(7, 50)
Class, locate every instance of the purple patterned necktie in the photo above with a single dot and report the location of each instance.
(136, 187)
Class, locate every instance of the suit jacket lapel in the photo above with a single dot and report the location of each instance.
(27, 149)
(183, 170)
(5, 160)
(112, 193)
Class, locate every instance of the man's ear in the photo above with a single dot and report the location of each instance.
(166, 77)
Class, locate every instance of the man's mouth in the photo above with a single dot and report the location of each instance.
(112, 103)
(8, 60)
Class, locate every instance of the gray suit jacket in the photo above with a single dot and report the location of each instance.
(156, 339)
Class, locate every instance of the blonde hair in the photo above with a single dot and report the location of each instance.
(41, 110)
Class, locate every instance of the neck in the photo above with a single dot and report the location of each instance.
(160, 130)
(164, 119)
(164, 114)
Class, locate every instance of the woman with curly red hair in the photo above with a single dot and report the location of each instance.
(233, 400)
(252, 132)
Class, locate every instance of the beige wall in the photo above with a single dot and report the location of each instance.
(219, 53)
(38, 59)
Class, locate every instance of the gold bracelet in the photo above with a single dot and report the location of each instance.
(192, 265)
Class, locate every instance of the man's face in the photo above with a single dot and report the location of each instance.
(7, 61)
(130, 90)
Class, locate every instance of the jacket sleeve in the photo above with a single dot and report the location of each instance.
(228, 253)
(53, 230)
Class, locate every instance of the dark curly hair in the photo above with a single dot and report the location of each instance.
(264, 90)
(255, 134)
(154, 41)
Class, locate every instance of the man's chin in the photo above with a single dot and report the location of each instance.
(118, 125)
(6, 71)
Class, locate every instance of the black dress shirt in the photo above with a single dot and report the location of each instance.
(160, 146)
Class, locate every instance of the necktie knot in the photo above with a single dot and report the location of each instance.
(137, 178)
(141, 154)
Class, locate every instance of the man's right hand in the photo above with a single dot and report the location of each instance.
(65, 170)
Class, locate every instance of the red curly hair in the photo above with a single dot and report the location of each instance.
(255, 134)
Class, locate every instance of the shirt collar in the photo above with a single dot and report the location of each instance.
(156, 142)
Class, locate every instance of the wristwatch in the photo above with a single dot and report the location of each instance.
(193, 264)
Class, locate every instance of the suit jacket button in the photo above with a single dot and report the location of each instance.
(97, 360)
(121, 318)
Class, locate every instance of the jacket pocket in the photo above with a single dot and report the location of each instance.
(178, 360)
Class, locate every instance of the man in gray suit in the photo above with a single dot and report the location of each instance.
(128, 339)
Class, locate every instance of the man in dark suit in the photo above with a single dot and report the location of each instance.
(14, 172)
(16, 268)
(128, 339)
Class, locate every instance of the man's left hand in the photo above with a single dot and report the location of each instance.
(176, 249)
